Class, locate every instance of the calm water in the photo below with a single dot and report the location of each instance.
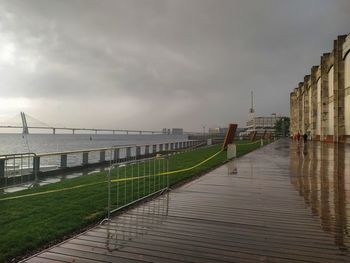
(44, 143)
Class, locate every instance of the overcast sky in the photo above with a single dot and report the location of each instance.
(153, 64)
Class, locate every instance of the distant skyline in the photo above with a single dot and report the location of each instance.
(150, 64)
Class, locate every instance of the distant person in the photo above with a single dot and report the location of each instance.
(298, 136)
(305, 137)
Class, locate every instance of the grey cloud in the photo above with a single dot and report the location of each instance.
(200, 57)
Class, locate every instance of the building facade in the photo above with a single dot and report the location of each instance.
(218, 130)
(262, 124)
(320, 105)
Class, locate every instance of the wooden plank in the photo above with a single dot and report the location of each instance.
(260, 214)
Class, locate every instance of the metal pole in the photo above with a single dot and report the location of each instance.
(167, 170)
(132, 182)
(138, 179)
(125, 201)
(154, 172)
(109, 193)
(118, 185)
(144, 178)
(149, 176)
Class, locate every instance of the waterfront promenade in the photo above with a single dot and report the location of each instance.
(281, 203)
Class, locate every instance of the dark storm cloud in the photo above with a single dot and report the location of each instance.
(185, 63)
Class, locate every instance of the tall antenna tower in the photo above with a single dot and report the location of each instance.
(252, 110)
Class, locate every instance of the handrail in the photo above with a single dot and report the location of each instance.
(34, 163)
(88, 150)
(16, 155)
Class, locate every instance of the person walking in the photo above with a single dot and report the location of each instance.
(305, 143)
(305, 137)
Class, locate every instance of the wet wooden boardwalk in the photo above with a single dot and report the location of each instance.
(281, 206)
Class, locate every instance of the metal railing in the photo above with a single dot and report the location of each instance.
(137, 223)
(138, 179)
(30, 166)
(16, 164)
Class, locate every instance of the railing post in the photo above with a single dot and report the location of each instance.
(85, 158)
(116, 155)
(2, 168)
(138, 152)
(102, 156)
(154, 149)
(63, 161)
(36, 165)
(160, 147)
(167, 146)
(128, 152)
(147, 150)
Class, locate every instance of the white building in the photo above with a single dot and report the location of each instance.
(262, 124)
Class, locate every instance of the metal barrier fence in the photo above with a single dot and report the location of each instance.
(15, 168)
(136, 223)
(138, 179)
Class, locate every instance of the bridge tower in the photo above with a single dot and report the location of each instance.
(24, 124)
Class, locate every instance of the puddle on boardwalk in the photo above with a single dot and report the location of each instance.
(321, 174)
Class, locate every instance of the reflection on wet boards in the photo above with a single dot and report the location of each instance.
(232, 167)
(231, 151)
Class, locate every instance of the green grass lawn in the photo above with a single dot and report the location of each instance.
(30, 222)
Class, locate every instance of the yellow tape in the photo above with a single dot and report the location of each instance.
(112, 181)
(190, 168)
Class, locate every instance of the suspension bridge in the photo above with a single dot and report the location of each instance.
(28, 123)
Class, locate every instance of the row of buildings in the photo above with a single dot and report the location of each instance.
(320, 105)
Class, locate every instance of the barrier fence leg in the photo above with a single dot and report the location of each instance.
(109, 194)
(167, 170)
(118, 185)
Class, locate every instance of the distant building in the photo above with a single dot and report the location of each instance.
(166, 131)
(262, 124)
(217, 130)
(177, 131)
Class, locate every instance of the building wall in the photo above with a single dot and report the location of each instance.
(339, 92)
(346, 57)
(331, 101)
(313, 104)
(293, 113)
(310, 109)
(320, 105)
